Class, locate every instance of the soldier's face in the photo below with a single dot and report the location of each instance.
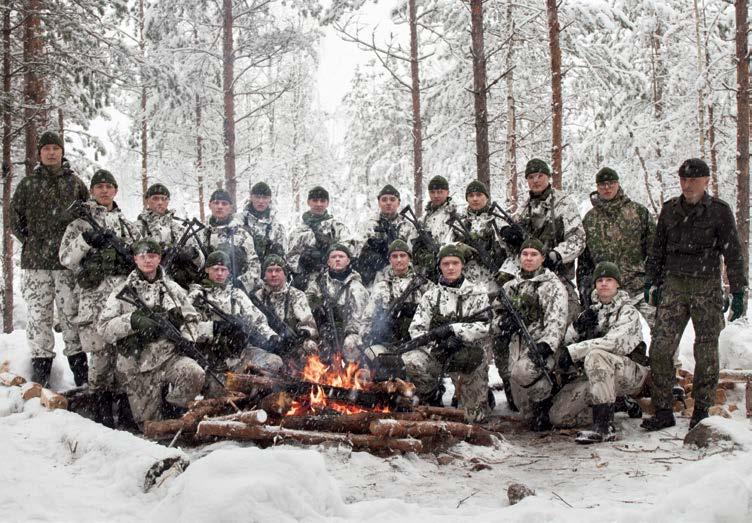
(400, 262)
(338, 261)
(607, 190)
(531, 259)
(438, 196)
(104, 194)
(693, 189)
(451, 268)
(274, 276)
(389, 205)
(51, 155)
(537, 182)
(220, 209)
(260, 203)
(318, 206)
(217, 273)
(147, 263)
(476, 200)
(157, 203)
(606, 289)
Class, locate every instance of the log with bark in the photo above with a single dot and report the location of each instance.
(30, 390)
(11, 380)
(277, 403)
(358, 423)
(391, 428)
(442, 413)
(52, 400)
(187, 424)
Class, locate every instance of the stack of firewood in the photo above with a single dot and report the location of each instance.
(48, 398)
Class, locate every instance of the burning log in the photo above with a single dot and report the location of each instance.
(442, 413)
(395, 386)
(277, 403)
(271, 434)
(52, 400)
(474, 434)
(357, 423)
(11, 380)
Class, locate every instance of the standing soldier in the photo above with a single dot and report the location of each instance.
(602, 340)
(540, 299)
(552, 217)
(101, 259)
(227, 234)
(387, 227)
(310, 241)
(160, 224)
(447, 307)
(233, 331)
(287, 305)
(268, 234)
(436, 222)
(338, 301)
(621, 231)
(159, 380)
(684, 281)
(38, 220)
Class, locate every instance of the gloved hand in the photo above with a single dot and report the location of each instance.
(564, 360)
(737, 305)
(540, 351)
(507, 325)
(98, 239)
(444, 330)
(227, 329)
(185, 255)
(303, 334)
(311, 258)
(453, 343)
(377, 244)
(142, 323)
(275, 345)
(552, 262)
(588, 319)
(513, 236)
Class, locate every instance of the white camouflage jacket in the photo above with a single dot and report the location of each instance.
(349, 297)
(390, 287)
(302, 238)
(291, 306)
(234, 234)
(481, 226)
(265, 227)
(166, 230)
(435, 220)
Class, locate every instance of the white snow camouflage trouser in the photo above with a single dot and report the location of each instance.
(43, 290)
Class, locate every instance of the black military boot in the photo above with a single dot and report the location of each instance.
(663, 419)
(40, 370)
(603, 429)
(104, 409)
(491, 399)
(698, 414)
(541, 422)
(125, 419)
(508, 394)
(628, 405)
(79, 365)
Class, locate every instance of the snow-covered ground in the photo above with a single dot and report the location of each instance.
(58, 466)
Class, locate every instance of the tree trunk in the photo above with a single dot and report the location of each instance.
(417, 120)
(479, 92)
(713, 152)
(61, 124)
(144, 124)
(228, 76)
(7, 176)
(556, 101)
(701, 90)
(35, 114)
(742, 129)
(511, 159)
(200, 160)
(657, 74)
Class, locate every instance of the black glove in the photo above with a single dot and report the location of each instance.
(540, 351)
(275, 345)
(507, 325)
(310, 259)
(228, 329)
(143, 324)
(185, 255)
(377, 244)
(587, 320)
(453, 344)
(564, 361)
(513, 236)
(99, 238)
(443, 331)
(303, 334)
(552, 262)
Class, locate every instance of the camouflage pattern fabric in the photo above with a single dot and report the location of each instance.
(435, 220)
(302, 239)
(291, 306)
(268, 234)
(166, 230)
(232, 235)
(385, 231)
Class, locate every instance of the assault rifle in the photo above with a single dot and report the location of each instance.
(192, 228)
(386, 318)
(485, 257)
(425, 236)
(276, 323)
(329, 311)
(80, 210)
(130, 296)
(497, 211)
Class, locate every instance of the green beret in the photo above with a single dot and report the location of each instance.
(50, 138)
(389, 189)
(536, 165)
(437, 183)
(694, 168)
(607, 270)
(221, 195)
(271, 260)
(146, 246)
(339, 247)
(102, 176)
(606, 174)
(400, 246)
(533, 243)
(261, 189)
(318, 193)
(217, 258)
(477, 186)
(453, 249)
(157, 189)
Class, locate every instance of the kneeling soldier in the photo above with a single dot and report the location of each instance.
(152, 368)
(601, 340)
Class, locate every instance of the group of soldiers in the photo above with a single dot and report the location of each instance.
(154, 311)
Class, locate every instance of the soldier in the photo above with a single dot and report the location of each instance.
(436, 223)
(310, 241)
(227, 234)
(101, 259)
(338, 301)
(268, 234)
(541, 301)
(684, 281)
(150, 365)
(552, 217)
(621, 231)
(289, 306)
(601, 340)
(38, 219)
(387, 227)
(160, 224)
(446, 308)
(231, 330)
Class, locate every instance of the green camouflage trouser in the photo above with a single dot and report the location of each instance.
(683, 299)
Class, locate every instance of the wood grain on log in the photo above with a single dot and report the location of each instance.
(52, 400)
(400, 429)
(30, 390)
(740, 376)
(353, 423)
(11, 380)
(249, 417)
